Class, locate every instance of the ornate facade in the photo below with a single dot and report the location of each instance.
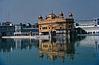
(55, 23)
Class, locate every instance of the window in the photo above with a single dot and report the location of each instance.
(60, 27)
(44, 27)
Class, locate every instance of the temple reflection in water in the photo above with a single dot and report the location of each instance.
(60, 47)
(56, 51)
(55, 48)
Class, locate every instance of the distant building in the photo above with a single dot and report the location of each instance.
(25, 29)
(91, 27)
(97, 21)
(55, 23)
(7, 29)
(7, 23)
(18, 29)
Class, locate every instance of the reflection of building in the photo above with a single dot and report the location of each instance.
(8, 45)
(56, 49)
(24, 43)
(56, 24)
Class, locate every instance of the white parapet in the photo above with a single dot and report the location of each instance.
(28, 37)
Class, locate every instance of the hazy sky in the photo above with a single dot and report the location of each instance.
(28, 10)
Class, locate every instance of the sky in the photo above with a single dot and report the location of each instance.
(24, 11)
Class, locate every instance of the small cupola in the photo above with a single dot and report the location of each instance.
(70, 15)
(61, 14)
(40, 18)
